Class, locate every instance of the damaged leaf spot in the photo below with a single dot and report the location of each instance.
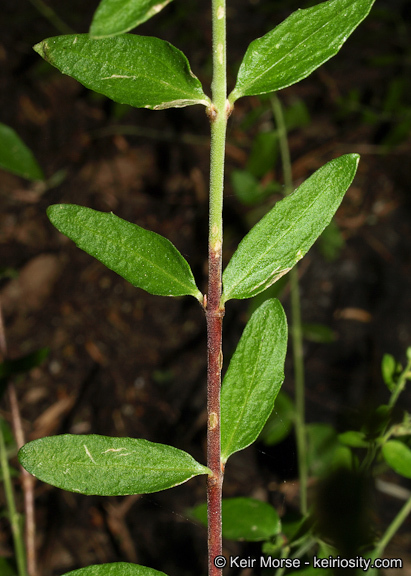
(88, 454)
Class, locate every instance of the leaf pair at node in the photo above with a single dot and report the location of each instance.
(92, 464)
(150, 73)
(149, 261)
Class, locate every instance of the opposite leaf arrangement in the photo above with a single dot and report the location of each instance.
(151, 73)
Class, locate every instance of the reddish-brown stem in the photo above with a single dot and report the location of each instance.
(214, 314)
(214, 310)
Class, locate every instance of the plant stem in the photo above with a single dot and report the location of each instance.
(296, 323)
(13, 514)
(214, 310)
(405, 374)
(390, 532)
(28, 482)
(27, 479)
(52, 17)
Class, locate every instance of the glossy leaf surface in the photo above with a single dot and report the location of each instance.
(92, 464)
(16, 157)
(298, 46)
(118, 16)
(115, 569)
(244, 519)
(398, 457)
(287, 232)
(144, 258)
(253, 378)
(137, 70)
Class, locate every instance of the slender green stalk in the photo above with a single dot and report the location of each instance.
(388, 430)
(13, 514)
(27, 482)
(52, 17)
(296, 323)
(405, 375)
(390, 532)
(214, 311)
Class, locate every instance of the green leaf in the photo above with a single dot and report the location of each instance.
(354, 439)
(253, 378)
(137, 70)
(118, 16)
(244, 519)
(280, 422)
(287, 232)
(115, 569)
(263, 153)
(144, 258)
(331, 242)
(298, 46)
(248, 189)
(398, 457)
(92, 464)
(16, 157)
(324, 451)
(389, 370)
(318, 333)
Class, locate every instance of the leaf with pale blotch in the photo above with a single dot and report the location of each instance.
(144, 258)
(137, 70)
(114, 17)
(92, 464)
(115, 569)
(287, 232)
(16, 157)
(253, 378)
(298, 46)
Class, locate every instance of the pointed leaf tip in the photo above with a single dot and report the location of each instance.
(144, 258)
(298, 46)
(287, 232)
(140, 71)
(104, 466)
(113, 17)
(16, 157)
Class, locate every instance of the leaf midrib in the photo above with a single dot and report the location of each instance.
(289, 54)
(165, 273)
(122, 68)
(264, 254)
(250, 390)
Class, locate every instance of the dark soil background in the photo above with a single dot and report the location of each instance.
(123, 362)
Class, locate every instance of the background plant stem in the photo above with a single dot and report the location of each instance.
(52, 17)
(15, 520)
(28, 482)
(296, 323)
(214, 311)
(389, 533)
